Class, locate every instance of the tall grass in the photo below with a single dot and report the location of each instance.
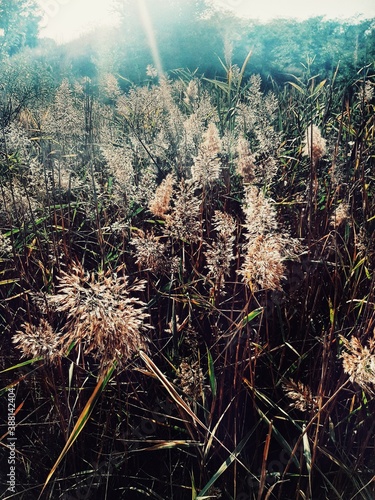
(186, 289)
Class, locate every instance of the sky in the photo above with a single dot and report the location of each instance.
(301, 9)
(67, 19)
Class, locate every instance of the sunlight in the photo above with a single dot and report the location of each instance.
(147, 25)
(187, 249)
(64, 20)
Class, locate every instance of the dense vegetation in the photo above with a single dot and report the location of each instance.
(186, 291)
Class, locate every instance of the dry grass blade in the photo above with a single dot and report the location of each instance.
(21, 365)
(213, 432)
(171, 390)
(165, 445)
(182, 405)
(22, 377)
(364, 489)
(264, 461)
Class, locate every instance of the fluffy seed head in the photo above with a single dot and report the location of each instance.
(263, 268)
(300, 395)
(184, 220)
(245, 162)
(152, 255)
(160, 203)
(359, 362)
(207, 165)
(315, 145)
(260, 214)
(38, 341)
(191, 379)
(101, 315)
(219, 255)
(340, 216)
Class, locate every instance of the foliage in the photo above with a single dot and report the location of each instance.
(19, 20)
(197, 37)
(186, 288)
(240, 273)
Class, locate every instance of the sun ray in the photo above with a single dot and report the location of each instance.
(147, 25)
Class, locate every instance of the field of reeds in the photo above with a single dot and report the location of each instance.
(186, 291)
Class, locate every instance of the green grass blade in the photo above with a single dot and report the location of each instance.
(211, 373)
(227, 463)
(21, 365)
(81, 422)
(247, 319)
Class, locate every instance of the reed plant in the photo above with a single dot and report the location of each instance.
(187, 296)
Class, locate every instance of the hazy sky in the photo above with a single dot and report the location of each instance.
(302, 9)
(65, 19)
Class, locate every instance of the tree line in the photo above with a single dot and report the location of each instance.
(193, 36)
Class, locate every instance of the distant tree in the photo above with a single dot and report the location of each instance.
(19, 25)
(282, 47)
(27, 79)
(181, 30)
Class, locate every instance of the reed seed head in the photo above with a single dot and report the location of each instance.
(38, 341)
(160, 203)
(300, 395)
(359, 362)
(263, 268)
(191, 379)
(207, 165)
(315, 145)
(219, 254)
(340, 216)
(183, 222)
(101, 315)
(245, 162)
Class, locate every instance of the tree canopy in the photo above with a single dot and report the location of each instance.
(194, 36)
(19, 25)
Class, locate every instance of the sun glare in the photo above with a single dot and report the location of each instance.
(64, 20)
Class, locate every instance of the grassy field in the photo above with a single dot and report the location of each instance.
(187, 295)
